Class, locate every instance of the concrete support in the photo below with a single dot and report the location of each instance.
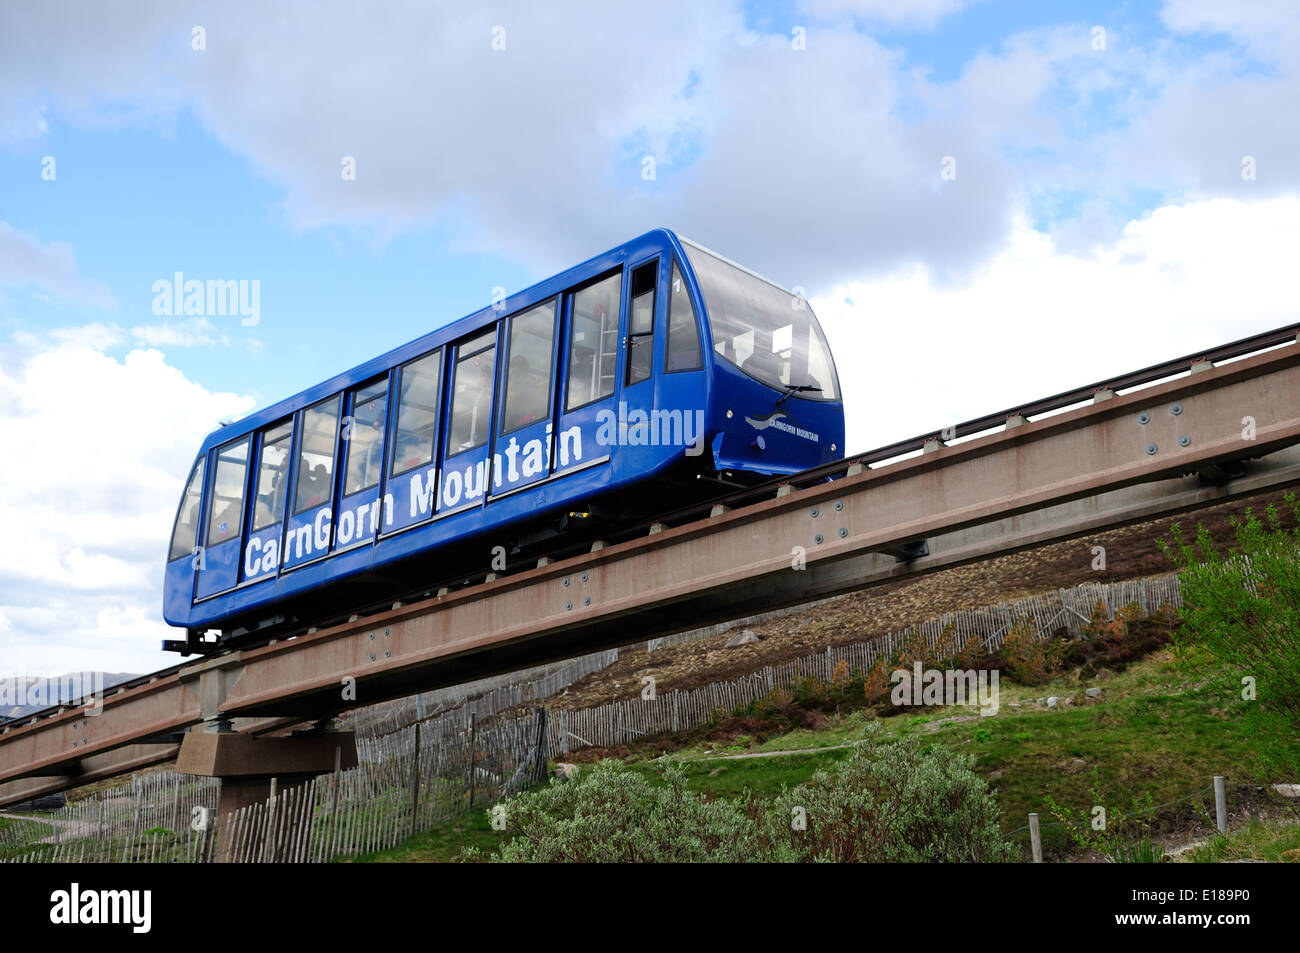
(249, 767)
(1201, 366)
(1016, 420)
(932, 445)
(1104, 393)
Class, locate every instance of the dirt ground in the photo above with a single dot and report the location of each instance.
(1131, 552)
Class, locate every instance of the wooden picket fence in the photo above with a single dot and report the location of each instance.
(417, 770)
(401, 786)
(1065, 611)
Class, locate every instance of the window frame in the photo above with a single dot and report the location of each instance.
(211, 513)
(556, 317)
(494, 332)
(712, 273)
(439, 354)
(571, 296)
(628, 341)
(199, 470)
(677, 271)
(350, 418)
(262, 434)
(334, 461)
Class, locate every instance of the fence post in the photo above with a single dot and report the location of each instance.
(135, 807)
(268, 842)
(415, 779)
(1220, 804)
(540, 757)
(472, 719)
(1035, 841)
(334, 803)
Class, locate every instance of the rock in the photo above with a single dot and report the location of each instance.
(1103, 674)
(1041, 701)
(1093, 692)
(1287, 790)
(1052, 700)
(994, 775)
(1013, 704)
(565, 771)
(1076, 765)
(745, 638)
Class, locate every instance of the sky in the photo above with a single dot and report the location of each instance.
(985, 202)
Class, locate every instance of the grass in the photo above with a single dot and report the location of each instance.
(1276, 841)
(441, 844)
(1155, 734)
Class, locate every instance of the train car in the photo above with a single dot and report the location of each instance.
(655, 375)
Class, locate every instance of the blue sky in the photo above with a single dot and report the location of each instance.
(1099, 198)
(139, 200)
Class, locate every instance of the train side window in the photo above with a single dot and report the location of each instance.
(273, 476)
(528, 378)
(228, 483)
(641, 323)
(364, 437)
(186, 532)
(315, 480)
(417, 412)
(593, 342)
(683, 330)
(471, 401)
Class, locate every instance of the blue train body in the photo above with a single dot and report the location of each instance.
(625, 386)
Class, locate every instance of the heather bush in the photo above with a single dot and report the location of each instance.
(610, 814)
(886, 802)
(892, 802)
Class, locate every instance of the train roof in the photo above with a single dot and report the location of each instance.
(452, 331)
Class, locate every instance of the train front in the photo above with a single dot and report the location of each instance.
(776, 397)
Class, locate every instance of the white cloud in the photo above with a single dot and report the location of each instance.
(96, 336)
(1259, 21)
(915, 355)
(95, 453)
(814, 166)
(906, 12)
(192, 333)
(25, 260)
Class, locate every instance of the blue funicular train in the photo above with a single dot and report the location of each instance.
(656, 375)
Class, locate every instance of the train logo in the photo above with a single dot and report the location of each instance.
(778, 419)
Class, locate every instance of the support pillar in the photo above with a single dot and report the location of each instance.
(247, 764)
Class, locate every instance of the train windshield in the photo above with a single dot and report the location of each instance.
(768, 333)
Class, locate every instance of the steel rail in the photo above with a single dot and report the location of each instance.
(712, 568)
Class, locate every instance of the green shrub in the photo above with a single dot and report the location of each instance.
(892, 802)
(1241, 614)
(610, 814)
(886, 802)
(1143, 852)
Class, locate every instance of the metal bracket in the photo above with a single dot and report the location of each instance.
(906, 552)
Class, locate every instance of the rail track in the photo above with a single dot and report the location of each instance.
(1089, 414)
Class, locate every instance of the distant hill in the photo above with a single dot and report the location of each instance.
(21, 696)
